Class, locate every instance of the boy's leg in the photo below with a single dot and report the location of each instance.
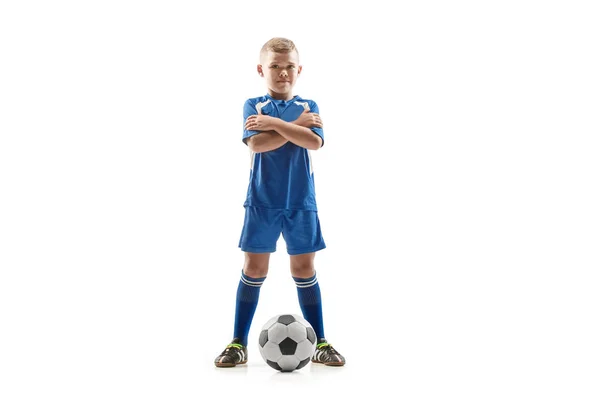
(256, 267)
(302, 234)
(255, 270)
(259, 236)
(309, 297)
(309, 293)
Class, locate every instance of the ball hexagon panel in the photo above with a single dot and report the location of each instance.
(277, 332)
(271, 352)
(305, 348)
(296, 331)
(288, 363)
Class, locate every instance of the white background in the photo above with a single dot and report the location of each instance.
(458, 193)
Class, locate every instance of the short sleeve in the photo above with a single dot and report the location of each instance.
(249, 109)
(314, 108)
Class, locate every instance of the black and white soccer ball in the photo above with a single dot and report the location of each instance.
(287, 342)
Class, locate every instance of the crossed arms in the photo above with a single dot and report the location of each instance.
(276, 132)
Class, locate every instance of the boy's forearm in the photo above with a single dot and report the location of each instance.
(266, 141)
(272, 140)
(299, 135)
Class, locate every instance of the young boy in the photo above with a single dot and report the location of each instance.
(280, 129)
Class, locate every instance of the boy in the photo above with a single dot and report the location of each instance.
(280, 129)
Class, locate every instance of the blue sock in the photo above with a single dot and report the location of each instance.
(309, 296)
(245, 305)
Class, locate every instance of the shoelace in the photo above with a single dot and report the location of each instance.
(328, 349)
(232, 348)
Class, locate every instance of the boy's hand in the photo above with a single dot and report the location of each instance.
(309, 120)
(260, 123)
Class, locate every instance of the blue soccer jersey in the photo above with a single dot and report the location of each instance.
(282, 178)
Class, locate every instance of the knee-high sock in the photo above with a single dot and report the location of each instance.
(245, 306)
(309, 296)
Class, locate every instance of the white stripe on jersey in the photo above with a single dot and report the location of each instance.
(259, 106)
(303, 104)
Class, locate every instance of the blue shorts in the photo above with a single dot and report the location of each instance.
(262, 228)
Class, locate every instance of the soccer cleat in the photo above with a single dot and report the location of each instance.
(326, 354)
(235, 353)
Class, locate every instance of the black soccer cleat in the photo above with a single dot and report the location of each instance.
(235, 353)
(326, 354)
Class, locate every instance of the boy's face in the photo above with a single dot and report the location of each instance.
(280, 70)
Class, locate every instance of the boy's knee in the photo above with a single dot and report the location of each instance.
(256, 265)
(255, 271)
(302, 270)
(302, 266)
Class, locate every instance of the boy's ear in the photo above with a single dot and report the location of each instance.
(259, 69)
(299, 69)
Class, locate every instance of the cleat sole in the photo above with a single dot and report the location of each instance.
(229, 365)
(330, 363)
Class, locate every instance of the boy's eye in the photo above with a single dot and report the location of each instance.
(289, 66)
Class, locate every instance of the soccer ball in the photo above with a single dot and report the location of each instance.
(287, 342)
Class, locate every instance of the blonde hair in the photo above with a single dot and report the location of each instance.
(278, 45)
